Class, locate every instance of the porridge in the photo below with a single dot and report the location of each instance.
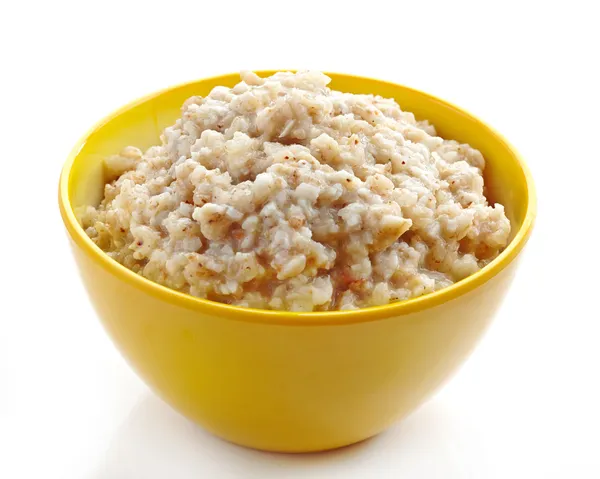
(280, 193)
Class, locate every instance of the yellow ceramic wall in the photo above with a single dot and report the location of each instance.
(296, 385)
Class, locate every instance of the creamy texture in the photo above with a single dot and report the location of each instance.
(280, 193)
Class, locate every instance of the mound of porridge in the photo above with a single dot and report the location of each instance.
(280, 193)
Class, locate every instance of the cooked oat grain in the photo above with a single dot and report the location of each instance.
(280, 193)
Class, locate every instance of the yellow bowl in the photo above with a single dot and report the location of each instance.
(291, 381)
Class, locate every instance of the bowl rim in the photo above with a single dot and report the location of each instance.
(372, 313)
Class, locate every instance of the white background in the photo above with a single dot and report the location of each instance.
(526, 404)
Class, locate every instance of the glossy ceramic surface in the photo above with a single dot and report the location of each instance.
(291, 381)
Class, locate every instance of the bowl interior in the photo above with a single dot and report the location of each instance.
(141, 123)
